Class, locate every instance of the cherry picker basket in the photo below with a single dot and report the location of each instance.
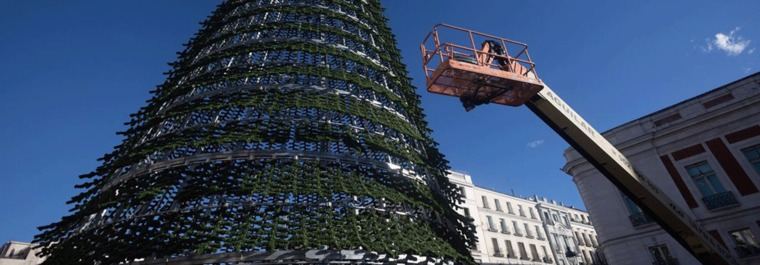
(478, 68)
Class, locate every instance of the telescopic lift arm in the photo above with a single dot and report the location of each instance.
(490, 69)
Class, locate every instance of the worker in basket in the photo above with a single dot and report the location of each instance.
(484, 57)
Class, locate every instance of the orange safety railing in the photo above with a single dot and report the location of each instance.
(513, 58)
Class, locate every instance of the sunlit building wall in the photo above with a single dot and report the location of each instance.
(515, 230)
(704, 152)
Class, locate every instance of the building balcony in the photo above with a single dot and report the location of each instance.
(747, 251)
(720, 200)
(668, 261)
(639, 219)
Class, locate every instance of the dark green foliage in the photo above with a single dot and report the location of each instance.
(276, 130)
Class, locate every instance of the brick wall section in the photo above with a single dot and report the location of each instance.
(743, 134)
(728, 162)
(688, 152)
(679, 182)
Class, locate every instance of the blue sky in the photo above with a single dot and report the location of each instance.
(72, 71)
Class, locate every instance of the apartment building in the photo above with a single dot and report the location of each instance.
(19, 253)
(570, 233)
(513, 230)
(704, 152)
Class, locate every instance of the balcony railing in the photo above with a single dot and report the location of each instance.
(667, 261)
(639, 219)
(720, 200)
(747, 251)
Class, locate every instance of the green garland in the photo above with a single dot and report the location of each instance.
(267, 204)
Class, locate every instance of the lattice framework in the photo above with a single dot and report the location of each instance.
(286, 127)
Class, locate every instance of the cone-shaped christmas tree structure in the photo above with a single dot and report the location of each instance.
(288, 131)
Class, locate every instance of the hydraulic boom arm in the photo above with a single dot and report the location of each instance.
(613, 165)
(490, 69)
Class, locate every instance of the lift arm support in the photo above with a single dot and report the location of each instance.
(612, 164)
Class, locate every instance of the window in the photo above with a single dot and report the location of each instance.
(538, 232)
(660, 254)
(522, 213)
(578, 238)
(705, 179)
(461, 190)
(534, 253)
(496, 249)
(586, 257)
(527, 231)
(558, 243)
(485, 202)
(556, 218)
(567, 221)
(466, 212)
(637, 216)
(523, 252)
(517, 228)
(632, 207)
(746, 244)
(532, 214)
(510, 251)
(504, 227)
(546, 254)
(491, 226)
(509, 208)
(548, 220)
(753, 155)
(498, 204)
(586, 240)
(568, 243)
(552, 241)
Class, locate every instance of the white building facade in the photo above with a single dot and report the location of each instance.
(19, 253)
(511, 230)
(570, 233)
(704, 153)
